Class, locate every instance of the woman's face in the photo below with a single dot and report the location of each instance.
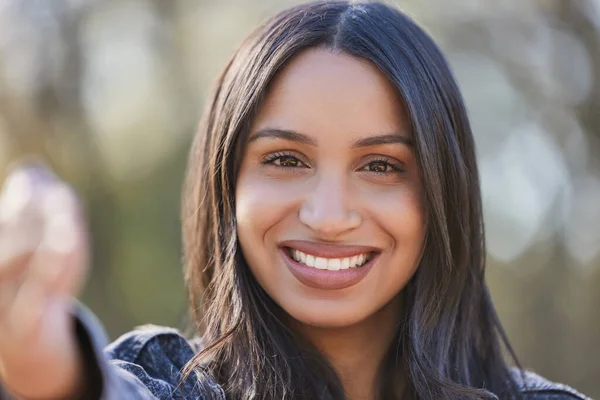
(328, 199)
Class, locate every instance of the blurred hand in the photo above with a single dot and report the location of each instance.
(43, 262)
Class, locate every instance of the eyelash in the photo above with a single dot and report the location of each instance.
(388, 162)
(393, 165)
(270, 159)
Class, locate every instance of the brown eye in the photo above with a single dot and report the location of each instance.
(383, 166)
(283, 160)
(378, 166)
(287, 161)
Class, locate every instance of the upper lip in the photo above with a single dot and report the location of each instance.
(327, 250)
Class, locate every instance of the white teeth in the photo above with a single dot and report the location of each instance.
(345, 263)
(332, 264)
(321, 263)
(361, 259)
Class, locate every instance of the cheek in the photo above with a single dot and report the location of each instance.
(406, 220)
(263, 210)
(252, 220)
(261, 205)
(399, 212)
(251, 212)
(400, 215)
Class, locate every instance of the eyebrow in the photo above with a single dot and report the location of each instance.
(294, 136)
(391, 138)
(282, 134)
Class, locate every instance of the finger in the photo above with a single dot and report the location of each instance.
(39, 211)
(21, 222)
(60, 271)
(41, 243)
(9, 287)
(15, 256)
(25, 314)
(54, 269)
(8, 292)
(17, 192)
(21, 188)
(62, 258)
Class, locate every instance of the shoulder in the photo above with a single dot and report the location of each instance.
(536, 387)
(151, 343)
(157, 355)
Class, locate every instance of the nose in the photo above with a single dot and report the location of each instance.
(326, 209)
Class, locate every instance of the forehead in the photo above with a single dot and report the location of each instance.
(323, 91)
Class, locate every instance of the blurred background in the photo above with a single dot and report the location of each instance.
(109, 92)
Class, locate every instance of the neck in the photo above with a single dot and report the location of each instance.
(356, 352)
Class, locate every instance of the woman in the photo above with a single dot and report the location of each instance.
(333, 238)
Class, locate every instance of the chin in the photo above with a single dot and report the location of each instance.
(327, 317)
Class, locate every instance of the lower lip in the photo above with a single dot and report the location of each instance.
(324, 278)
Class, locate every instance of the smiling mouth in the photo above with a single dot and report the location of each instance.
(331, 264)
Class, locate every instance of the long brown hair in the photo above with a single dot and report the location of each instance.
(449, 343)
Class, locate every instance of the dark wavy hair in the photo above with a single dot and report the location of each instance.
(449, 342)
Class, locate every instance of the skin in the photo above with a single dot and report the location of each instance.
(43, 264)
(331, 191)
(332, 195)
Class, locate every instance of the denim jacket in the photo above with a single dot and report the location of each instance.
(145, 364)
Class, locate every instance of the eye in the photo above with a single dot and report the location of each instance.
(378, 166)
(383, 166)
(283, 160)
